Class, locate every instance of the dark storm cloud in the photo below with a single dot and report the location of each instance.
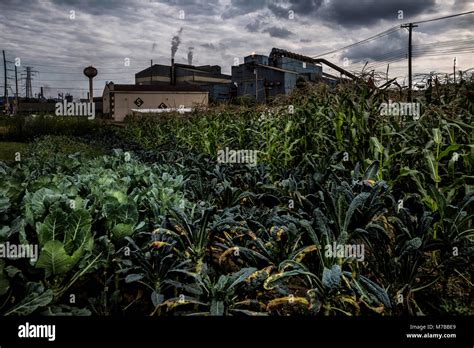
(193, 7)
(346, 13)
(366, 13)
(103, 7)
(242, 7)
(300, 7)
(379, 50)
(254, 26)
(281, 33)
(107, 31)
(278, 10)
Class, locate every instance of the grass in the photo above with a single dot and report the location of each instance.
(65, 145)
(9, 148)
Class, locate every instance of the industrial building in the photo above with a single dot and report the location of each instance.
(265, 77)
(119, 100)
(187, 86)
(207, 77)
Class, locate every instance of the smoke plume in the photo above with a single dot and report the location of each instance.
(175, 41)
(190, 55)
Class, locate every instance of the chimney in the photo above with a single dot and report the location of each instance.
(172, 73)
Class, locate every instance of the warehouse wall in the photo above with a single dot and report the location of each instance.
(124, 102)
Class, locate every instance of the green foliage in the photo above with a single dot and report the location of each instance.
(145, 220)
(22, 128)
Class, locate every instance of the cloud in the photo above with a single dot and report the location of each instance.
(350, 14)
(278, 32)
(242, 7)
(254, 26)
(378, 50)
(299, 7)
(106, 32)
(210, 46)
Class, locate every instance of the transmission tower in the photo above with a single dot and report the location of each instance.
(28, 76)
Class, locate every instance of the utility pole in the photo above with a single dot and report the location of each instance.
(151, 71)
(256, 85)
(5, 91)
(410, 27)
(17, 106)
(454, 70)
(16, 85)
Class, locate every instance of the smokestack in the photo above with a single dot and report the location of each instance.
(175, 41)
(172, 73)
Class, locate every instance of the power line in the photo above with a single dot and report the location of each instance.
(388, 32)
(445, 17)
(428, 49)
(377, 36)
(98, 67)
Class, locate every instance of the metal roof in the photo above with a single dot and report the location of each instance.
(275, 68)
(157, 88)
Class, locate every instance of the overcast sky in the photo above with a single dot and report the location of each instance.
(58, 38)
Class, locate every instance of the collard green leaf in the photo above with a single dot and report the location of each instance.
(157, 298)
(217, 307)
(133, 278)
(376, 290)
(356, 203)
(54, 259)
(4, 282)
(36, 297)
(52, 228)
(4, 204)
(332, 277)
(78, 231)
(36, 203)
(240, 276)
(121, 231)
(411, 245)
(66, 311)
(64, 238)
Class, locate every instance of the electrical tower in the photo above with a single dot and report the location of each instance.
(28, 76)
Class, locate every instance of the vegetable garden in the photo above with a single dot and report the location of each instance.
(143, 220)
